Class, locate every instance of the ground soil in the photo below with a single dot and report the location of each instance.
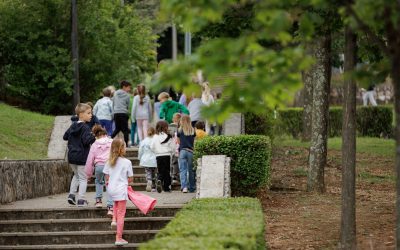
(296, 219)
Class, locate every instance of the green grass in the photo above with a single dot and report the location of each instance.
(23, 134)
(370, 145)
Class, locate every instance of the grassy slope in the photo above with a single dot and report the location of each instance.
(23, 134)
(374, 146)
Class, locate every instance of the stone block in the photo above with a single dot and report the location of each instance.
(234, 125)
(213, 177)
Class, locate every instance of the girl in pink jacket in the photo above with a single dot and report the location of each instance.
(97, 158)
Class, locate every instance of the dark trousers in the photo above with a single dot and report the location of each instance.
(164, 166)
(121, 124)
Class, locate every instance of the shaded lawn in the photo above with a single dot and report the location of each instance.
(23, 134)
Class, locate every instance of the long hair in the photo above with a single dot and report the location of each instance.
(117, 150)
(206, 92)
(162, 127)
(141, 92)
(186, 125)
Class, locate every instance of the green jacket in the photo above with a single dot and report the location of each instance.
(169, 108)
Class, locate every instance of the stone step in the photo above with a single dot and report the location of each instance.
(72, 246)
(98, 224)
(135, 186)
(132, 152)
(135, 161)
(137, 178)
(74, 237)
(74, 212)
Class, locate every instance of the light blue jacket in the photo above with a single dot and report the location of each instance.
(103, 109)
(146, 156)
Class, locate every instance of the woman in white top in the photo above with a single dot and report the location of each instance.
(141, 111)
(207, 100)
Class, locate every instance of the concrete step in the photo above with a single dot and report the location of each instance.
(74, 212)
(72, 246)
(135, 161)
(98, 224)
(135, 186)
(137, 178)
(132, 152)
(74, 237)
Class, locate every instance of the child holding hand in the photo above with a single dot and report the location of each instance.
(119, 174)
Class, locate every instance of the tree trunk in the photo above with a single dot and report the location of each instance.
(321, 76)
(75, 52)
(348, 219)
(308, 97)
(395, 72)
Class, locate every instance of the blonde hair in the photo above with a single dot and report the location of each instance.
(163, 95)
(186, 126)
(176, 118)
(151, 131)
(206, 91)
(81, 107)
(117, 150)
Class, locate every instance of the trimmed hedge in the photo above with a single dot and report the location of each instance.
(371, 121)
(250, 160)
(223, 223)
(260, 124)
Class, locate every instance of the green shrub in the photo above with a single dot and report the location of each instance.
(374, 121)
(371, 121)
(260, 124)
(250, 160)
(291, 121)
(224, 223)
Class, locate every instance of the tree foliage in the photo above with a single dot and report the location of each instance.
(35, 61)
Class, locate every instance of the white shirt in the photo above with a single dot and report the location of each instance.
(118, 183)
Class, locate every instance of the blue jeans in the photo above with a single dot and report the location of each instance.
(186, 169)
(133, 132)
(98, 173)
(107, 124)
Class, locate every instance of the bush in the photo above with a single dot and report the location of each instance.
(260, 124)
(374, 121)
(371, 121)
(250, 160)
(234, 223)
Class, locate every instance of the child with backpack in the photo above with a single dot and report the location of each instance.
(163, 146)
(118, 172)
(98, 156)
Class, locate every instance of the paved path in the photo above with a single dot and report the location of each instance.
(57, 146)
(60, 200)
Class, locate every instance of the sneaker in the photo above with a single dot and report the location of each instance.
(71, 199)
(148, 187)
(184, 190)
(98, 204)
(120, 242)
(113, 224)
(110, 212)
(175, 182)
(158, 186)
(82, 203)
(153, 190)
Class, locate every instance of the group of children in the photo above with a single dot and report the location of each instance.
(93, 151)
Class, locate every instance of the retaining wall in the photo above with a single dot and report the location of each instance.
(24, 179)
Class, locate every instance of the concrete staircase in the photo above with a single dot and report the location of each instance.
(139, 176)
(77, 228)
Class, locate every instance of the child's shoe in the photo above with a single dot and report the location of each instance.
(148, 186)
(159, 186)
(120, 242)
(98, 204)
(110, 212)
(82, 203)
(71, 199)
(184, 190)
(113, 224)
(153, 190)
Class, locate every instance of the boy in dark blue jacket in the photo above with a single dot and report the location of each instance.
(79, 139)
